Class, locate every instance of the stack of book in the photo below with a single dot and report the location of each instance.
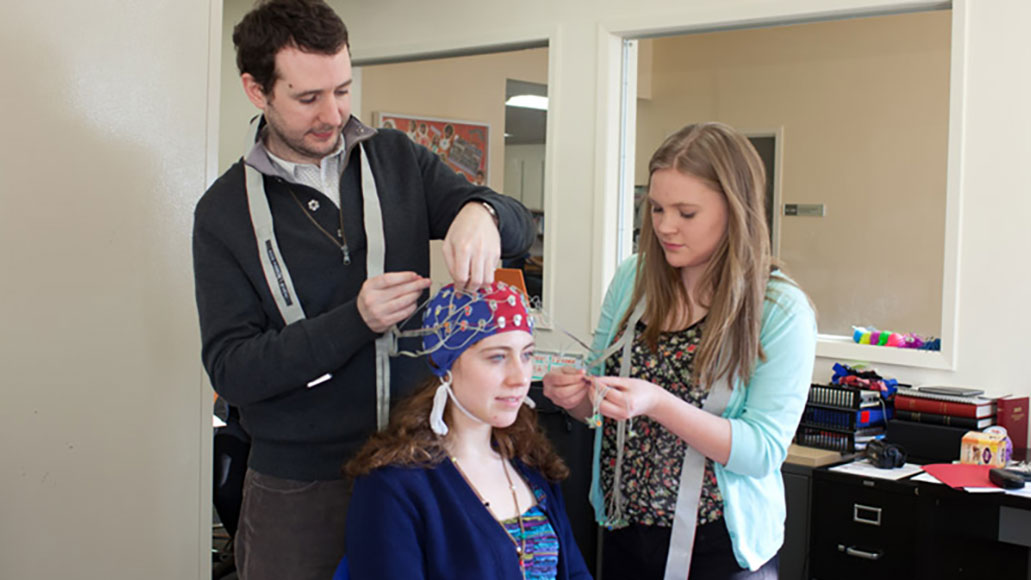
(972, 412)
(930, 425)
(842, 418)
(923, 416)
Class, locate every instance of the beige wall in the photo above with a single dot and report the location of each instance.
(102, 425)
(102, 414)
(863, 106)
(234, 108)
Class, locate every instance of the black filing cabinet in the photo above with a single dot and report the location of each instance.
(862, 528)
(866, 528)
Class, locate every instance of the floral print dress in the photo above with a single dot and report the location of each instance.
(653, 456)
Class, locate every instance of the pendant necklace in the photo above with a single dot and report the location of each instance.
(342, 242)
(520, 546)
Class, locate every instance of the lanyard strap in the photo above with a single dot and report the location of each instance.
(685, 517)
(374, 266)
(277, 275)
(617, 502)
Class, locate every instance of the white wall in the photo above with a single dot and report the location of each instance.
(101, 422)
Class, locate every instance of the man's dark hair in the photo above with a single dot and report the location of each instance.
(308, 25)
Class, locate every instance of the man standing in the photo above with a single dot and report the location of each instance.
(306, 252)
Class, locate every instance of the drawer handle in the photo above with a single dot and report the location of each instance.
(855, 552)
(865, 514)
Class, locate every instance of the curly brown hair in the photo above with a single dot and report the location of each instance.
(308, 25)
(409, 441)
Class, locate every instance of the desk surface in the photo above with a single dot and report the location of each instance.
(923, 484)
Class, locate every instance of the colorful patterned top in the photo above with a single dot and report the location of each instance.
(541, 543)
(653, 457)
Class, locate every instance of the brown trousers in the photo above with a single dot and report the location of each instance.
(290, 529)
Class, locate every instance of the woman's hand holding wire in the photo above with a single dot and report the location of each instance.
(626, 398)
(568, 387)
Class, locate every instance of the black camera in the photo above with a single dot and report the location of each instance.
(885, 455)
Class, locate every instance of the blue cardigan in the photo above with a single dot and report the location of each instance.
(427, 523)
(763, 414)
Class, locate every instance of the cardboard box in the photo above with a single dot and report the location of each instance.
(811, 456)
(985, 449)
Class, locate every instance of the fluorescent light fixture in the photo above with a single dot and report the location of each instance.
(528, 102)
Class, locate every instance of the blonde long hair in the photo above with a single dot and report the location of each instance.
(733, 286)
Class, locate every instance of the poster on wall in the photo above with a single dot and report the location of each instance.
(462, 145)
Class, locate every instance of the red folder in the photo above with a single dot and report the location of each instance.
(958, 475)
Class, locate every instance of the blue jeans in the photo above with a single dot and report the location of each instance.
(290, 529)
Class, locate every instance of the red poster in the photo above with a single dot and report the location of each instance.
(462, 145)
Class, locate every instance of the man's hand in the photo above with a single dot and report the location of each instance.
(472, 247)
(389, 298)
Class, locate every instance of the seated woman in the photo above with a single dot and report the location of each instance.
(463, 483)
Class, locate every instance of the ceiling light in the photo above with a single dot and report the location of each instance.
(528, 102)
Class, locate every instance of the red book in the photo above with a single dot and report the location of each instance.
(1013, 416)
(977, 410)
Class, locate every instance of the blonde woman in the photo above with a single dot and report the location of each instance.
(711, 354)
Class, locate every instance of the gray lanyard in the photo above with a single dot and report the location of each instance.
(685, 517)
(277, 275)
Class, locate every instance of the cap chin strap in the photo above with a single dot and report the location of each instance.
(277, 275)
(444, 392)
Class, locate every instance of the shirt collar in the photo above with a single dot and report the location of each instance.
(291, 167)
(260, 158)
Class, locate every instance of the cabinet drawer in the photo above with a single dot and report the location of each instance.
(858, 531)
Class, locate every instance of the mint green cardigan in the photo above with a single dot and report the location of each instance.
(763, 415)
